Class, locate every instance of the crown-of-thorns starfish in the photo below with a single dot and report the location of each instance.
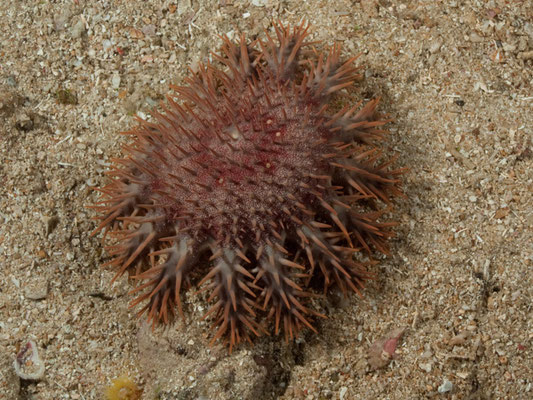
(246, 183)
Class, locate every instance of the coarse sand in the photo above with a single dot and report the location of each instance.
(456, 77)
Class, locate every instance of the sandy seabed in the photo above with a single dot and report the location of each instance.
(457, 78)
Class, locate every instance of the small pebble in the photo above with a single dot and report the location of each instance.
(24, 122)
(425, 366)
(50, 224)
(526, 55)
(445, 387)
(472, 199)
(342, 392)
(36, 291)
(60, 20)
(78, 30)
(106, 44)
(459, 339)
(382, 351)
(475, 38)
(115, 81)
(65, 96)
(522, 44)
(28, 365)
(426, 354)
(463, 375)
(435, 46)
(11, 81)
(149, 30)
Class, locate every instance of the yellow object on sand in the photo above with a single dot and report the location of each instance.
(122, 388)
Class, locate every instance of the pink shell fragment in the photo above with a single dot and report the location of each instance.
(382, 351)
(28, 365)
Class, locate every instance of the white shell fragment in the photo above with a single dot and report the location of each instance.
(28, 365)
(445, 387)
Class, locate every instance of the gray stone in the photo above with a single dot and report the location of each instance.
(446, 386)
(78, 29)
(36, 290)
